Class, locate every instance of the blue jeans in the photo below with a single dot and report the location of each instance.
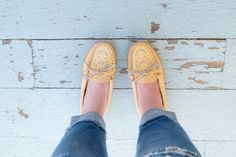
(160, 135)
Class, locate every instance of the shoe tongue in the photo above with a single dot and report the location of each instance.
(148, 78)
(100, 78)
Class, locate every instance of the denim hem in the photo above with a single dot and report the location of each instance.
(154, 113)
(90, 116)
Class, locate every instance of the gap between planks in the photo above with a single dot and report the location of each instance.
(131, 38)
(177, 89)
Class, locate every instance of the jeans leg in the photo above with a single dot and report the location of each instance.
(160, 135)
(86, 137)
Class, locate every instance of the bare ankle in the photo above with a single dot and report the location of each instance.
(95, 98)
(149, 97)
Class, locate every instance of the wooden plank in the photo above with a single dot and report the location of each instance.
(220, 148)
(189, 64)
(38, 147)
(207, 115)
(27, 147)
(26, 109)
(117, 148)
(16, 69)
(229, 74)
(108, 19)
(200, 113)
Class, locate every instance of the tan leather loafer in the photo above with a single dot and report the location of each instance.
(100, 66)
(144, 66)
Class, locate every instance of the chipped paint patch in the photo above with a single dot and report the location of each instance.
(197, 80)
(118, 28)
(40, 49)
(208, 64)
(170, 48)
(131, 36)
(20, 76)
(132, 40)
(213, 48)
(179, 59)
(64, 81)
(151, 41)
(172, 41)
(123, 71)
(154, 27)
(30, 43)
(164, 5)
(184, 43)
(212, 88)
(22, 113)
(199, 44)
(220, 41)
(6, 41)
(202, 72)
(156, 49)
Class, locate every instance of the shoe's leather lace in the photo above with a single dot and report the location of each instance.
(92, 72)
(140, 74)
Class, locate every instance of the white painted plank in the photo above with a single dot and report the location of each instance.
(27, 147)
(188, 63)
(200, 113)
(102, 19)
(196, 65)
(229, 74)
(13, 147)
(51, 116)
(205, 115)
(117, 148)
(220, 148)
(16, 68)
(38, 147)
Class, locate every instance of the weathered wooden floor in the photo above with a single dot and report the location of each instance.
(43, 44)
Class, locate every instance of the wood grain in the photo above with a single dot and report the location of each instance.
(43, 44)
(220, 148)
(229, 75)
(200, 113)
(117, 19)
(16, 68)
(59, 63)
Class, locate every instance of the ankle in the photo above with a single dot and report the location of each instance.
(95, 98)
(149, 97)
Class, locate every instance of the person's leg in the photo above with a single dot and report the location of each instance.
(86, 137)
(160, 135)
